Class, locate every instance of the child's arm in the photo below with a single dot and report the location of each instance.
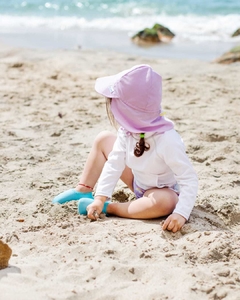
(176, 158)
(111, 173)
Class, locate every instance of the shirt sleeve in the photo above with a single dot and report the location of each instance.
(113, 167)
(176, 158)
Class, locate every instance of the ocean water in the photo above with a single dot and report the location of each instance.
(193, 21)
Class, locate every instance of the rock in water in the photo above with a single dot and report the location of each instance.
(145, 37)
(236, 33)
(158, 33)
(164, 34)
(230, 57)
(5, 254)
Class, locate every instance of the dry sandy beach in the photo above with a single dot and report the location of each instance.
(49, 116)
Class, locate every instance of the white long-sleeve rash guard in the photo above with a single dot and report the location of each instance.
(163, 165)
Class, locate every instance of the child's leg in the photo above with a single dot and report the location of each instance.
(97, 157)
(154, 204)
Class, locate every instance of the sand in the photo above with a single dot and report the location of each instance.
(49, 116)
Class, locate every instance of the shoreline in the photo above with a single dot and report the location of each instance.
(118, 41)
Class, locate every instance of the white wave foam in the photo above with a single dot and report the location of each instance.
(190, 27)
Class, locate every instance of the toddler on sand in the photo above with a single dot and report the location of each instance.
(147, 154)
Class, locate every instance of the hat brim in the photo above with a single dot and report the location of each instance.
(106, 86)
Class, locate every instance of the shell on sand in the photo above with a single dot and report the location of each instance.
(5, 254)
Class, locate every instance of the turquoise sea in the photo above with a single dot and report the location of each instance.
(103, 24)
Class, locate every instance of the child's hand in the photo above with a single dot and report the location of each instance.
(94, 209)
(174, 222)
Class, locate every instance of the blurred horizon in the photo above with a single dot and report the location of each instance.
(194, 22)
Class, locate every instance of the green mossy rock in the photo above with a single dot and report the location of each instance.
(147, 35)
(230, 57)
(158, 33)
(163, 30)
(235, 49)
(236, 33)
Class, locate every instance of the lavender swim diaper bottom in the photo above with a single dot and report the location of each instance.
(139, 192)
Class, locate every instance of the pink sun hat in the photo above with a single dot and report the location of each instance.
(136, 99)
